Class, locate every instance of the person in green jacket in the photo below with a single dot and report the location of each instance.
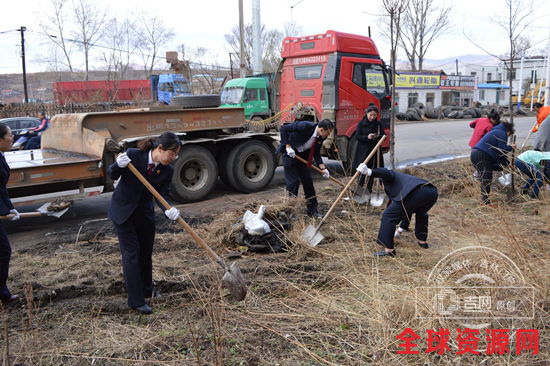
(532, 164)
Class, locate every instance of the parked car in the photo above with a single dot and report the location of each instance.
(20, 124)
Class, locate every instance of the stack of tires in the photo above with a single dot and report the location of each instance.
(421, 112)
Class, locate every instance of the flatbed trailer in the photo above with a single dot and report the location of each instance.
(78, 148)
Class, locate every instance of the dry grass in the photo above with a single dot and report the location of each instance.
(329, 305)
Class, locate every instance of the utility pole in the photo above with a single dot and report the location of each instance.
(241, 31)
(22, 30)
(457, 67)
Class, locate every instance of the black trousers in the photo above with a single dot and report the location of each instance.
(136, 236)
(419, 201)
(296, 171)
(5, 256)
(484, 165)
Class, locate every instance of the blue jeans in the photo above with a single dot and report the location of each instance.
(33, 143)
(535, 176)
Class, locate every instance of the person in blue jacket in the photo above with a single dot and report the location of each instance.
(305, 140)
(6, 208)
(133, 212)
(409, 195)
(34, 142)
(490, 153)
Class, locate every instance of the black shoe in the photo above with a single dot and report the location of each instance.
(525, 191)
(384, 253)
(316, 215)
(156, 293)
(533, 196)
(12, 298)
(425, 245)
(144, 309)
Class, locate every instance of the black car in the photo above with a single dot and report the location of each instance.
(20, 124)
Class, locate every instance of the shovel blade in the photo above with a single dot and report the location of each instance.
(234, 281)
(376, 200)
(44, 210)
(361, 199)
(312, 235)
(360, 195)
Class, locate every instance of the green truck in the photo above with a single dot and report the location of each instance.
(251, 93)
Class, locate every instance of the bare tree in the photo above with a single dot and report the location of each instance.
(293, 29)
(271, 45)
(514, 20)
(52, 23)
(90, 26)
(121, 43)
(153, 35)
(394, 9)
(206, 72)
(422, 23)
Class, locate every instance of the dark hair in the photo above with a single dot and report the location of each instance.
(537, 105)
(371, 107)
(493, 114)
(509, 126)
(168, 140)
(326, 124)
(3, 130)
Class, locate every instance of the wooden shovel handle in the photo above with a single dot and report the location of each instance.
(180, 220)
(320, 171)
(22, 215)
(351, 181)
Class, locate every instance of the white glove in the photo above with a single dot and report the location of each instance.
(363, 169)
(326, 173)
(172, 213)
(16, 217)
(122, 160)
(290, 152)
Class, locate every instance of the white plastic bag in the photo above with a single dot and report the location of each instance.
(505, 179)
(254, 224)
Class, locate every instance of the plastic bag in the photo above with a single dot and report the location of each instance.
(505, 179)
(254, 224)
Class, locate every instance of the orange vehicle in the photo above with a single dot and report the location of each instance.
(338, 75)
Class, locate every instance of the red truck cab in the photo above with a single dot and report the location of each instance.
(338, 74)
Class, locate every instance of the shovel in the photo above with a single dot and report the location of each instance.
(320, 171)
(529, 135)
(312, 235)
(40, 211)
(511, 188)
(377, 199)
(233, 278)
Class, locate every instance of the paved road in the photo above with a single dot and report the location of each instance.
(415, 142)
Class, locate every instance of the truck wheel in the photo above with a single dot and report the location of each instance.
(222, 165)
(250, 166)
(195, 174)
(258, 128)
(196, 101)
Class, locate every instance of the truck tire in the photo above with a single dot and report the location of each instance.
(250, 166)
(222, 164)
(197, 101)
(195, 174)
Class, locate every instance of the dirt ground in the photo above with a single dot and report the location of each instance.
(333, 304)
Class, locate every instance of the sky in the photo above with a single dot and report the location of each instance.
(204, 23)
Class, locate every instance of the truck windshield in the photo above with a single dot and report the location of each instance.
(182, 87)
(232, 95)
(375, 78)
